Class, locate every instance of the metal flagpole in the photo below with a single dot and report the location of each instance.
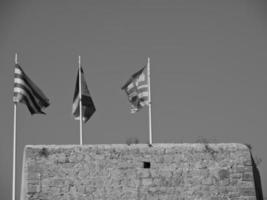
(149, 101)
(14, 145)
(80, 102)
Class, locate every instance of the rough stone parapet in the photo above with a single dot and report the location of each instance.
(137, 172)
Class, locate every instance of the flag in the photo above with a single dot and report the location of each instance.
(136, 89)
(88, 107)
(25, 91)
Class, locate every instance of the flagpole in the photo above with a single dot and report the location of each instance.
(80, 102)
(149, 101)
(14, 144)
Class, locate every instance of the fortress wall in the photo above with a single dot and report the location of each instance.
(137, 172)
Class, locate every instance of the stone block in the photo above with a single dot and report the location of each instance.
(247, 176)
(247, 191)
(146, 181)
(32, 188)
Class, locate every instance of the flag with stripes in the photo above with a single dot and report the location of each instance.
(88, 107)
(136, 89)
(25, 91)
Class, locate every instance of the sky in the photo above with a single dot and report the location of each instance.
(208, 72)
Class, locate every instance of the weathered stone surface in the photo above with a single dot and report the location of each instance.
(118, 172)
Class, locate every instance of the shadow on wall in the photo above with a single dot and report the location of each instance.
(257, 179)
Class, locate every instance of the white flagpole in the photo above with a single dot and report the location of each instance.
(149, 101)
(14, 145)
(80, 102)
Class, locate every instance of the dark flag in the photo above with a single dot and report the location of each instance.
(25, 91)
(136, 89)
(88, 107)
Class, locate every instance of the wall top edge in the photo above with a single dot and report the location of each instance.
(195, 146)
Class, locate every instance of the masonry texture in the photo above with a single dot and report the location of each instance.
(137, 172)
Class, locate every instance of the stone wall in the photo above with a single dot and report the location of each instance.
(137, 172)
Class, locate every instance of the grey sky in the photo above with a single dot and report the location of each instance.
(208, 71)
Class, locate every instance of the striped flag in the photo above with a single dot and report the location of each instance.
(88, 107)
(25, 91)
(136, 89)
